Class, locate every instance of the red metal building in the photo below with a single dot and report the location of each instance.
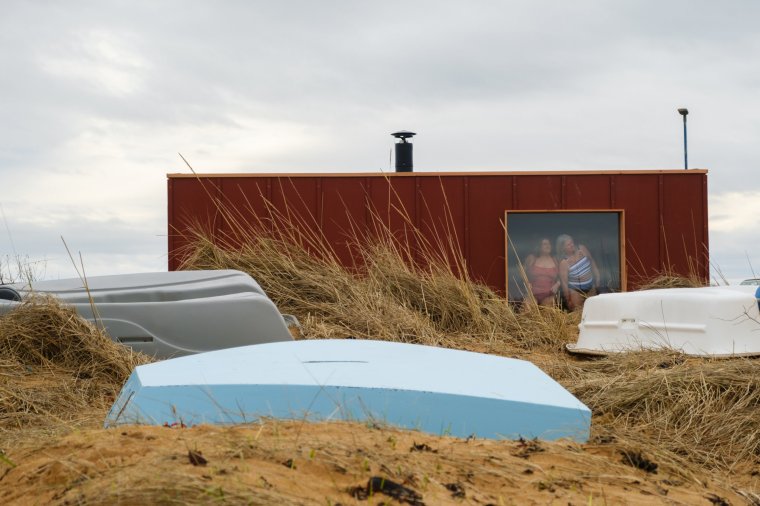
(663, 213)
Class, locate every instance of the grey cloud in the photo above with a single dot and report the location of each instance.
(105, 246)
(488, 85)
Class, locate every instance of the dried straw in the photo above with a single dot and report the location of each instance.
(681, 413)
(56, 369)
(698, 410)
(671, 280)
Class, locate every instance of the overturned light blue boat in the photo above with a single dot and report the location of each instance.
(435, 390)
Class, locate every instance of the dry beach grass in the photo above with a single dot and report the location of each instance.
(665, 428)
(56, 370)
(684, 412)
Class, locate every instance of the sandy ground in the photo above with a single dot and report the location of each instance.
(278, 462)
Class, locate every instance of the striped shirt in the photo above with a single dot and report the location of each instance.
(578, 271)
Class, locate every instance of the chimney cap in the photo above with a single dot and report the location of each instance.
(403, 135)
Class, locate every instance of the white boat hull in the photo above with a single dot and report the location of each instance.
(709, 321)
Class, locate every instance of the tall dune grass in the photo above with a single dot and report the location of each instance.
(386, 293)
(681, 412)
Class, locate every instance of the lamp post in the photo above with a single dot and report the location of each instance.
(684, 112)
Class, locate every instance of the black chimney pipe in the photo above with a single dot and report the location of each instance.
(404, 151)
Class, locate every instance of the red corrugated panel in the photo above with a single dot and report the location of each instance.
(244, 201)
(587, 192)
(297, 204)
(193, 205)
(344, 214)
(393, 202)
(440, 204)
(488, 198)
(539, 192)
(682, 212)
(639, 197)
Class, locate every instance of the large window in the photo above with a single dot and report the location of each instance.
(599, 233)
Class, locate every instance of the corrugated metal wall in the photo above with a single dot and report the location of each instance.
(665, 212)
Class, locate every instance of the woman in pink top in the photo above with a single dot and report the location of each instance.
(543, 274)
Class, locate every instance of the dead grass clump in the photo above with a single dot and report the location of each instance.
(55, 367)
(43, 332)
(385, 296)
(547, 328)
(684, 409)
(329, 300)
(672, 281)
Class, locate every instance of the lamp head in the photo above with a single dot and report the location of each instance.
(683, 111)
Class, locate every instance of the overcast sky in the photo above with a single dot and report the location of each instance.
(97, 98)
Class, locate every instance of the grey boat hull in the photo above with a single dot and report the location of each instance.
(170, 314)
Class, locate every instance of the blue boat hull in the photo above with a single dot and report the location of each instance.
(435, 390)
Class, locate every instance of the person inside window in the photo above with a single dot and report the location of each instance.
(578, 273)
(542, 271)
